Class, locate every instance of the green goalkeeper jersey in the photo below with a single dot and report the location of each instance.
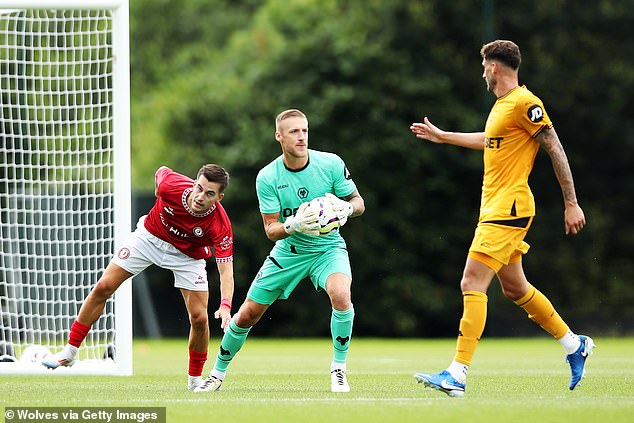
(282, 190)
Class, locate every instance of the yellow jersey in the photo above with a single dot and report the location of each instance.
(510, 148)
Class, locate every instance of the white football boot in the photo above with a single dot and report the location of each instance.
(212, 383)
(338, 381)
(63, 358)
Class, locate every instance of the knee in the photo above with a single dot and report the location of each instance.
(469, 283)
(104, 289)
(247, 317)
(198, 318)
(514, 287)
(340, 296)
(514, 293)
(341, 301)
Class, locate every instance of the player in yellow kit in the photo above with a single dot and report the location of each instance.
(515, 129)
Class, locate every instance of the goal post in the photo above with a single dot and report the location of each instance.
(65, 195)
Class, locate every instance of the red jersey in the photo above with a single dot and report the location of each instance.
(195, 234)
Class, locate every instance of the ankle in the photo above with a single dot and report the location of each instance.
(458, 371)
(218, 374)
(570, 341)
(69, 351)
(337, 366)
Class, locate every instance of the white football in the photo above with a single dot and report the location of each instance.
(328, 222)
(34, 354)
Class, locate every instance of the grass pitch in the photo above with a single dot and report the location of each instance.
(274, 380)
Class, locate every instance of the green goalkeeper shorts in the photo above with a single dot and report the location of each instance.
(283, 270)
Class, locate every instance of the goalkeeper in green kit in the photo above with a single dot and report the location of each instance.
(305, 243)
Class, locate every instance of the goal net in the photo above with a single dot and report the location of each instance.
(64, 179)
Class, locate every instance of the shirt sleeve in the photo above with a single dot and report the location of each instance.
(268, 200)
(223, 245)
(531, 115)
(342, 180)
(160, 175)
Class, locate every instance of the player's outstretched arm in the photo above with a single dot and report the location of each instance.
(574, 219)
(428, 131)
(225, 270)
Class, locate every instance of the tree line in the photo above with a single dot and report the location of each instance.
(209, 76)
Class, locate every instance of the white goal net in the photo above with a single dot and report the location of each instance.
(64, 179)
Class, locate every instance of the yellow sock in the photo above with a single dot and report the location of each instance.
(474, 317)
(541, 311)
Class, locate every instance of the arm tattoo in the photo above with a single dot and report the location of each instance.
(549, 140)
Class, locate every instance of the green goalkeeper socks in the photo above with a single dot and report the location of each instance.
(233, 339)
(341, 329)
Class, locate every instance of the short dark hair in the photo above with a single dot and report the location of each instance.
(214, 173)
(503, 51)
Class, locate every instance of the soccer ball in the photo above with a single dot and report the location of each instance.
(328, 222)
(34, 354)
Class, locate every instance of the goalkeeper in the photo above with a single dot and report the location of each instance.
(186, 222)
(284, 188)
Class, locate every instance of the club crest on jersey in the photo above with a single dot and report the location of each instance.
(198, 231)
(124, 253)
(535, 113)
(302, 193)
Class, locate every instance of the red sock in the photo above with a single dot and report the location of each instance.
(196, 362)
(78, 333)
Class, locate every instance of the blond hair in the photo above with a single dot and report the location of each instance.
(286, 114)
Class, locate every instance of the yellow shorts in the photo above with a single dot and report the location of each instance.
(497, 245)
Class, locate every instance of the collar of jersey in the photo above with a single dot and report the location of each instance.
(297, 170)
(190, 211)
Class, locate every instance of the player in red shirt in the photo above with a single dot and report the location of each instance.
(186, 225)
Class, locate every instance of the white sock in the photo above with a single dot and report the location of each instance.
(458, 371)
(218, 374)
(69, 351)
(570, 341)
(194, 380)
(335, 366)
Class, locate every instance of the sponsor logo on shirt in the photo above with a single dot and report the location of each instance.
(168, 210)
(172, 229)
(226, 242)
(493, 142)
(535, 113)
(289, 212)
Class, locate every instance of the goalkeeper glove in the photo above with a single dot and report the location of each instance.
(343, 209)
(304, 221)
